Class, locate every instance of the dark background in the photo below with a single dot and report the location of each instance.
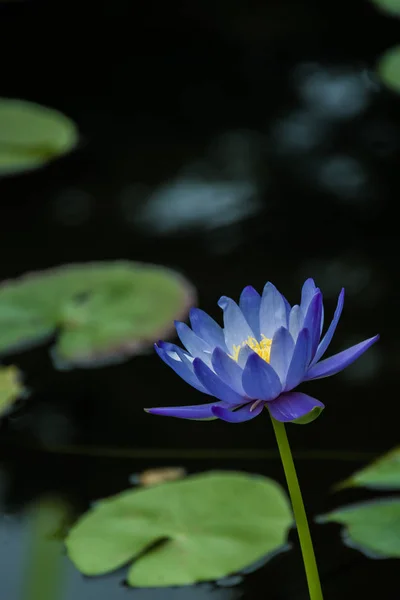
(279, 149)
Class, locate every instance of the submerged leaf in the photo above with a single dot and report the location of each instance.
(389, 68)
(383, 473)
(210, 526)
(32, 135)
(43, 575)
(11, 388)
(371, 527)
(103, 312)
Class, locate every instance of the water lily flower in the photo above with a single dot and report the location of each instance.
(258, 359)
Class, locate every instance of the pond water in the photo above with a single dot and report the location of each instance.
(235, 146)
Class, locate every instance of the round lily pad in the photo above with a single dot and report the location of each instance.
(207, 526)
(31, 135)
(101, 312)
(11, 388)
(389, 68)
(371, 527)
(383, 474)
(392, 7)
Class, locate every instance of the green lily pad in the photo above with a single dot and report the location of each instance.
(102, 312)
(371, 527)
(32, 135)
(392, 7)
(389, 68)
(11, 388)
(209, 525)
(382, 474)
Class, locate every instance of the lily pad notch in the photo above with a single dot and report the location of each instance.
(211, 525)
(100, 312)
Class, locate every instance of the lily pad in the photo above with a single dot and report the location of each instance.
(389, 68)
(392, 7)
(208, 526)
(382, 474)
(102, 312)
(11, 388)
(31, 135)
(371, 527)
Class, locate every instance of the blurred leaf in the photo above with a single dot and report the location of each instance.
(104, 312)
(11, 388)
(389, 68)
(43, 578)
(392, 7)
(383, 473)
(32, 135)
(209, 525)
(371, 527)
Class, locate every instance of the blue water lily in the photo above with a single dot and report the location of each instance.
(264, 351)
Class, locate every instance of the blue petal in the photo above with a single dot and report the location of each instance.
(215, 385)
(272, 311)
(249, 304)
(260, 380)
(236, 328)
(312, 321)
(296, 320)
(300, 360)
(228, 370)
(308, 291)
(244, 354)
(238, 416)
(294, 405)
(180, 367)
(287, 307)
(281, 353)
(195, 345)
(338, 362)
(206, 328)
(197, 411)
(326, 340)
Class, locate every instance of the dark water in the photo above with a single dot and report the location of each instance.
(276, 151)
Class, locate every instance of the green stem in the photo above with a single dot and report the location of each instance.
(303, 530)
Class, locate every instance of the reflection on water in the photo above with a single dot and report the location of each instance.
(299, 131)
(213, 192)
(343, 175)
(195, 203)
(334, 93)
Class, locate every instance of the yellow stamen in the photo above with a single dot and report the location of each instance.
(262, 348)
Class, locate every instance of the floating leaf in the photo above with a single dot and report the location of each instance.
(371, 527)
(392, 7)
(11, 387)
(32, 135)
(382, 474)
(208, 525)
(389, 68)
(103, 312)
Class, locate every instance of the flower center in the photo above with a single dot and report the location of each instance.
(262, 348)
